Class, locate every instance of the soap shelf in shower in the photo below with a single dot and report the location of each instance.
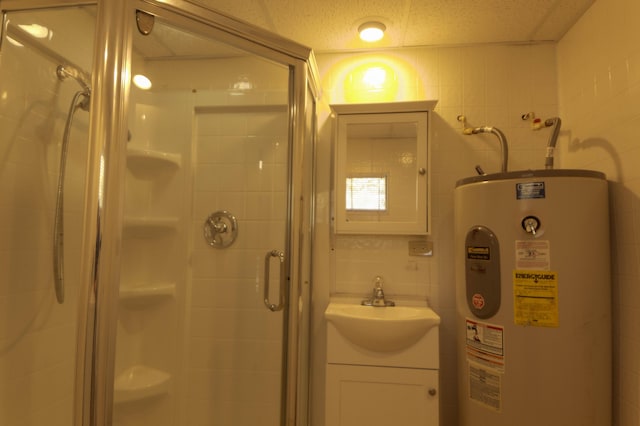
(143, 159)
(147, 226)
(140, 382)
(147, 294)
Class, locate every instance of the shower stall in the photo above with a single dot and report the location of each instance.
(156, 163)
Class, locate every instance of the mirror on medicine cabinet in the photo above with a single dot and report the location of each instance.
(381, 180)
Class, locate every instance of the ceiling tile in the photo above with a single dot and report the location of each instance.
(330, 25)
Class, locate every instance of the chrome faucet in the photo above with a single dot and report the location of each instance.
(377, 298)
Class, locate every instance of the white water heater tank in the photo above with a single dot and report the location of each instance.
(533, 299)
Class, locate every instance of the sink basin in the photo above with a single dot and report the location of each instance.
(381, 329)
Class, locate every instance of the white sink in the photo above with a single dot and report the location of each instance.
(381, 329)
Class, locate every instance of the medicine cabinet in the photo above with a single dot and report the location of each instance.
(381, 179)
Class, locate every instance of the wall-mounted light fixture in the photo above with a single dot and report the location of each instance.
(371, 31)
(374, 79)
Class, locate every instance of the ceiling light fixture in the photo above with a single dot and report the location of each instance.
(371, 31)
(36, 30)
(241, 86)
(142, 82)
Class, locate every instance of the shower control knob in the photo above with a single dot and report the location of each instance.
(531, 224)
(220, 229)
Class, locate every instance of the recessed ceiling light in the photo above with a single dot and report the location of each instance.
(142, 82)
(14, 42)
(371, 31)
(36, 30)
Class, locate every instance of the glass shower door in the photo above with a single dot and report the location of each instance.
(205, 249)
(43, 155)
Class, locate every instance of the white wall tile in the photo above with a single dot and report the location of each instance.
(234, 341)
(491, 85)
(598, 76)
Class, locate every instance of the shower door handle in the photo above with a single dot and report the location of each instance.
(267, 278)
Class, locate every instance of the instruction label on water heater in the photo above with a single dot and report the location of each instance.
(533, 254)
(535, 298)
(485, 344)
(527, 190)
(485, 386)
(485, 361)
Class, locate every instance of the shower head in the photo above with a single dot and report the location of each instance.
(65, 71)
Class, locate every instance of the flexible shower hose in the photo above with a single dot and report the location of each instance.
(58, 225)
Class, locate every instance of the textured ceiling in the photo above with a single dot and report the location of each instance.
(330, 25)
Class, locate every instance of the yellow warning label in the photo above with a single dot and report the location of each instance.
(535, 298)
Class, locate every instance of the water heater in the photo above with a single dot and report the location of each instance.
(533, 299)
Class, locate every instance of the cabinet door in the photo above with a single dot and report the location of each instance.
(381, 182)
(381, 396)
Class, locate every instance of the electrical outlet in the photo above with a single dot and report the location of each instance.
(420, 248)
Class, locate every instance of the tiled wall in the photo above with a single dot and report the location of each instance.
(234, 341)
(491, 85)
(599, 82)
(37, 335)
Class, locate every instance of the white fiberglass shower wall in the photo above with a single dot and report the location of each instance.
(171, 331)
(37, 334)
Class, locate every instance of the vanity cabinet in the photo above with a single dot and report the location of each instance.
(382, 386)
(381, 396)
(381, 179)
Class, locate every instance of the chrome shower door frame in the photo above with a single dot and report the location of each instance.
(104, 208)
